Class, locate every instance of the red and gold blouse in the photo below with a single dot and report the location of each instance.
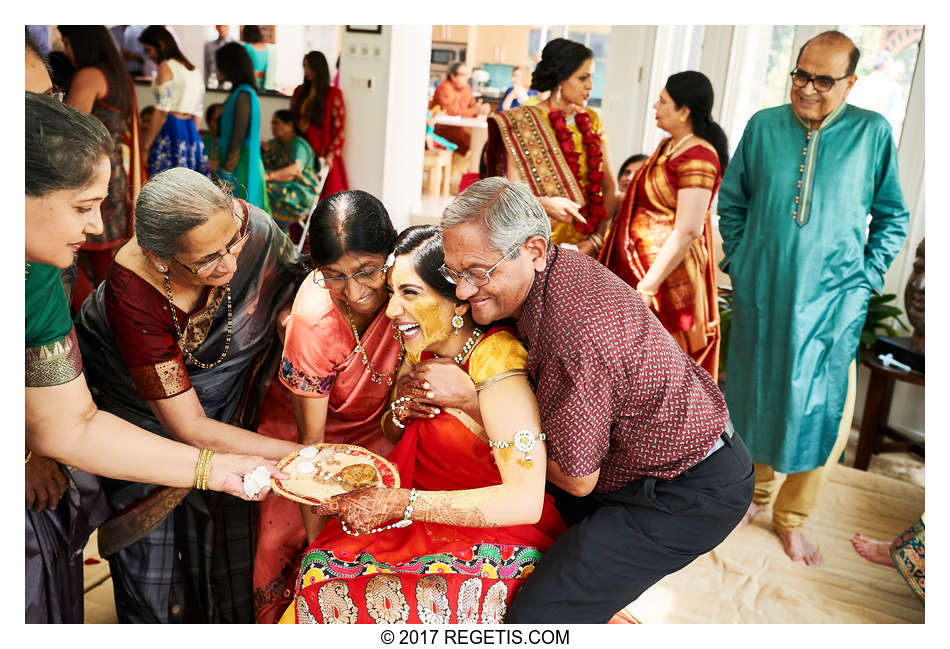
(141, 323)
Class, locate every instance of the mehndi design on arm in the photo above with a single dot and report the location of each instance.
(450, 509)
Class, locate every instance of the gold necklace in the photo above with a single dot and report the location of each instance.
(376, 377)
(227, 337)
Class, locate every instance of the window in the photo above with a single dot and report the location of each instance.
(597, 41)
(677, 48)
(758, 78)
(885, 69)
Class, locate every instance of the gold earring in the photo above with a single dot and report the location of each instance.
(682, 119)
(161, 268)
(558, 96)
(457, 323)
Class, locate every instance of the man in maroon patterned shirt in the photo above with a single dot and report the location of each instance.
(645, 467)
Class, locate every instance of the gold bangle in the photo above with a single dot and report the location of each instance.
(29, 454)
(201, 470)
(204, 476)
(201, 459)
(597, 239)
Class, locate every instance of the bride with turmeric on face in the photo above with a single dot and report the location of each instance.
(479, 518)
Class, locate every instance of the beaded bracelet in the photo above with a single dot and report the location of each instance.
(392, 407)
(405, 522)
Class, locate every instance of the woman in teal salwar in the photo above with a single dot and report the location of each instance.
(239, 151)
(292, 182)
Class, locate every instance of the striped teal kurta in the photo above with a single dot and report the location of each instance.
(803, 260)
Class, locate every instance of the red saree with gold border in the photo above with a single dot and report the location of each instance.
(430, 572)
(686, 302)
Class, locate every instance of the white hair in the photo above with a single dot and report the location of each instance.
(172, 203)
(509, 210)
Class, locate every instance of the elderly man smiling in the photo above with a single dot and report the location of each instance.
(803, 259)
(645, 468)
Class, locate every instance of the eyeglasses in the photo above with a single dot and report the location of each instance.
(475, 276)
(821, 83)
(233, 249)
(56, 93)
(369, 277)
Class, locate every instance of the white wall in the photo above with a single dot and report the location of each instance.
(384, 79)
(193, 39)
(406, 118)
(626, 89)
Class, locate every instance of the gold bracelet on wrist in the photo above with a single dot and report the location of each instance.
(201, 459)
(596, 239)
(201, 470)
(207, 470)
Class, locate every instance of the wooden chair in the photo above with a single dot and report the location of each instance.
(438, 164)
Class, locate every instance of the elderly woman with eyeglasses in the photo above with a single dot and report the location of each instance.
(177, 340)
(67, 177)
(339, 364)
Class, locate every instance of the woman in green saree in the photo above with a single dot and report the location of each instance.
(292, 182)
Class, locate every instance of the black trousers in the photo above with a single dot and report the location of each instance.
(621, 543)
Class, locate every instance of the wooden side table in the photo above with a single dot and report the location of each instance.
(877, 407)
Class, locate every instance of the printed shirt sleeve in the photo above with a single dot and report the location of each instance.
(144, 335)
(576, 410)
(497, 357)
(316, 341)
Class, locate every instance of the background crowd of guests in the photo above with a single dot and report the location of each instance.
(548, 267)
(276, 171)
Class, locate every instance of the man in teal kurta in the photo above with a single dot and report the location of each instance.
(803, 261)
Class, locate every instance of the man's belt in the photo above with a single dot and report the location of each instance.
(137, 520)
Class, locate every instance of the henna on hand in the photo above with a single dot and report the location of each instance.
(366, 509)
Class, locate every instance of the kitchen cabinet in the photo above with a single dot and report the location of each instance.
(450, 33)
(506, 44)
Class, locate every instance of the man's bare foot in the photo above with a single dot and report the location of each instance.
(753, 511)
(873, 551)
(798, 549)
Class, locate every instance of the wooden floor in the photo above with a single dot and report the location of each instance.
(748, 579)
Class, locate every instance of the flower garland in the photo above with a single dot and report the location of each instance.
(593, 210)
